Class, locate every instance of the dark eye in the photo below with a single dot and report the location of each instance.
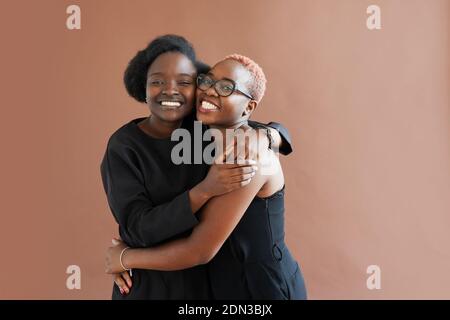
(227, 87)
(185, 83)
(156, 82)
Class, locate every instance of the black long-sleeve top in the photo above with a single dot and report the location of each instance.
(148, 196)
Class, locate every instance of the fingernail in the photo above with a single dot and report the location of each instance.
(121, 291)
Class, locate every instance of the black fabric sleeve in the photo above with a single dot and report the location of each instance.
(286, 142)
(142, 224)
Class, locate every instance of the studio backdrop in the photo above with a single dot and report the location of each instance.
(362, 86)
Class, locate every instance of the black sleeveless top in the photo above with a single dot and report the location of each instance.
(254, 262)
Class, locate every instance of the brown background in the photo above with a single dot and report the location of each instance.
(368, 183)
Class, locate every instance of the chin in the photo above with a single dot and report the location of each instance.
(204, 118)
(173, 115)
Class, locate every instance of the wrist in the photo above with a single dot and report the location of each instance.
(203, 191)
(126, 259)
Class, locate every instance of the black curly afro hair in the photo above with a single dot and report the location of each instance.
(135, 77)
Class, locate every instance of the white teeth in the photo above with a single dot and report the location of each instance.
(208, 106)
(170, 103)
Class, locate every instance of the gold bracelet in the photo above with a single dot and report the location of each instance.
(120, 259)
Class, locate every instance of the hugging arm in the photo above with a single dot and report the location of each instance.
(281, 138)
(143, 223)
(218, 219)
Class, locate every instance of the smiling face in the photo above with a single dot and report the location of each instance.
(171, 87)
(230, 111)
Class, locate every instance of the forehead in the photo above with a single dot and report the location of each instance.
(172, 62)
(231, 69)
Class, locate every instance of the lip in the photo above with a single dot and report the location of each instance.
(202, 110)
(170, 107)
(172, 99)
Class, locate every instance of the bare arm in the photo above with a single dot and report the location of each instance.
(218, 219)
(142, 222)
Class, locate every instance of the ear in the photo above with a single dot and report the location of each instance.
(251, 106)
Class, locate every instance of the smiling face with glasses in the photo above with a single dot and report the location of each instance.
(223, 95)
(224, 87)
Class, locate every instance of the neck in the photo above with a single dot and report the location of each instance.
(161, 128)
(222, 129)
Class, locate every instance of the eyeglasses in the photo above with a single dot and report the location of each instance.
(223, 87)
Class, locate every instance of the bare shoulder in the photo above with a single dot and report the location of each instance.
(270, 167)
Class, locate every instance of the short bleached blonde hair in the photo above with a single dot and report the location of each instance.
(258, 84)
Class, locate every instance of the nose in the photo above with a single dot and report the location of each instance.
(211, 91)
(171, 88)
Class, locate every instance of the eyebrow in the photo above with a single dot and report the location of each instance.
(180, 74)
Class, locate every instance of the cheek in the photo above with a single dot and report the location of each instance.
(153, 92)
(234, 106)
(188, 93)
